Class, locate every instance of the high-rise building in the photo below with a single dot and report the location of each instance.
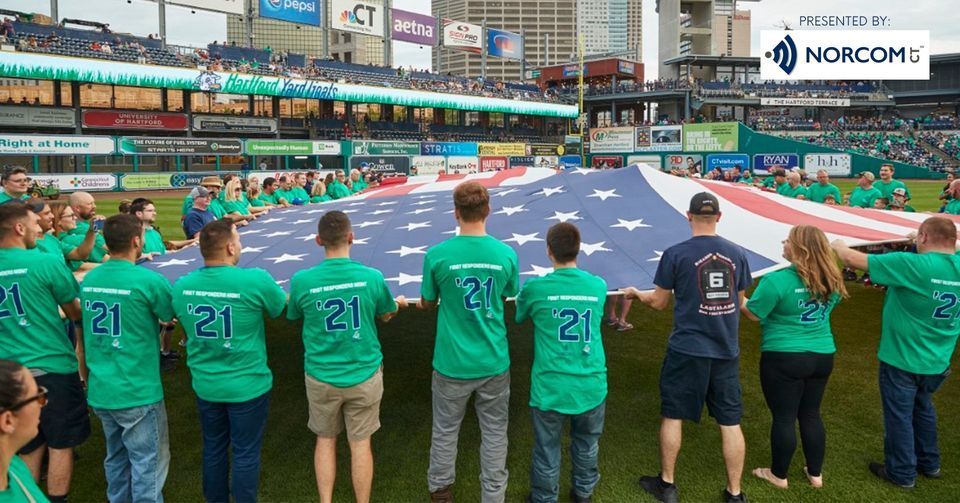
(701, 27)
(635, 28)
(603, 25)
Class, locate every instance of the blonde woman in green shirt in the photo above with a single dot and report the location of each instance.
(793, 307)
(20, 402)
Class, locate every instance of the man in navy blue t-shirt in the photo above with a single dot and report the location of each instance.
(707, 275)
(199, 215)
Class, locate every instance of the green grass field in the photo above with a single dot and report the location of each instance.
(628, 448)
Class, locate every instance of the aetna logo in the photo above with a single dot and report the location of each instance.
(785, 54)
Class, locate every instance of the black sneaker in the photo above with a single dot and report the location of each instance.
(729, 498)
(880, 471)
(659, 489)
(576, 498)
(936, 474)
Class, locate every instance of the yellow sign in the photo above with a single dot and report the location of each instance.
(516, 149)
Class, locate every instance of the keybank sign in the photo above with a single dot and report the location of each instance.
(847, 55)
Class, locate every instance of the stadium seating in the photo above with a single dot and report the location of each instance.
(77, 43)
(890, 146)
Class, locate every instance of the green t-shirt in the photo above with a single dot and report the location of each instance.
(320, 199)
(273, 199)
(921, 318)
(818, 193)
(886, 189)
(217, 209)
(187, 204)
(153, 242)
(569, 373)
(794, 192)
(50, 244)
(32, 286)
(14, 493)
(791, 320)
(298, 193)
(359, 185)
(285, 194)
(952, 207)
(746, 178)
(470, 276)
(256, 202)
(337, 190)
(339, 301)
(122, 304)
(4, 197)
(770, 182)
(221, 309)
(71, 241)
(906, 208)
(863, 197)
(237, 206)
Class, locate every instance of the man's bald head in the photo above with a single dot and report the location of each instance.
(83, 204)
(793, 178)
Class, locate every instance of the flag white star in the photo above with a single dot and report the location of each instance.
(520, 239)
(657, 258)
(455, 231)
(537, 271)
(406, 250)
(308, 237)
(301, 221)
(368, 224)
(349, 211)
(379, 212)
(173, 262)
(252, 249)
(590, 248)
(421, 203)
(271, 220)
(419, 211)
(585, 171)
(629, 224)
(358, 203)
(404, 278)
(386, 203)
(505, 192)
(286, 257)
(313, 212)
(282, 281)
(510, 210)
(604, 194)
(254, 231)
(549, 191)
(449, 212)
(361, 241)
(563, 217)
(278, 233)
(415, 225)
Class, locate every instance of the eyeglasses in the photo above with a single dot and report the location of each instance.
(40, 397)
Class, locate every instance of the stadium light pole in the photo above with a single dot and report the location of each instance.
(162, 17)
(582, 122)
(55, 11)
(325, 24)
(523, 55)
(387, 30)
(483, 49)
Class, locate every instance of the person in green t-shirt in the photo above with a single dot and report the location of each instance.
(819, 191)
(319, 193)
(864, 195)
(34, 286)
(285, 189)
(153, 242)
(898, 201)
(356, 178)
(85, 210)
(221, 308)
(21, 400)
(568, 380)
(793, 306)
(271, 195)
(15, 183)
(469, 275)
(339, 301)
(122, 304)
(952, 205)
(886, 184)
(297, 189)
(777, 179)
(920, 325)
(337, 189)
(793, 188)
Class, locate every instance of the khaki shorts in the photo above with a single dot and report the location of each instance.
(357, 406)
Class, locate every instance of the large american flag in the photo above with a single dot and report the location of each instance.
(627, 217)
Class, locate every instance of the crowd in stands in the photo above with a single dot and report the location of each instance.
(727, 89)
(948, 143)
(890, 146)
(938, 121)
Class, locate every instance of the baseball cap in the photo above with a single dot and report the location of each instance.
(202, 192)
(704, 203)
(868, 175)
(900, 191)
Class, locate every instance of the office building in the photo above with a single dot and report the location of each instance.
(700, 27)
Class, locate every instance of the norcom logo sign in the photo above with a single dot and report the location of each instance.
(834, 54)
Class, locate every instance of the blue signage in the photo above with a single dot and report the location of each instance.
(447, 148)
(295, 11)
(523, 161)
(728, 161)
(504, 44)
(763, 162)
(570, 161)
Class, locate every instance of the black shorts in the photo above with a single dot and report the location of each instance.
(686, 382)
(64, 421)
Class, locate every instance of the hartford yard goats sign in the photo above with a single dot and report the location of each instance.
(48, 67)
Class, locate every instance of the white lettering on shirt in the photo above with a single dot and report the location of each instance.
(457, 267)
(342, 286)
(583, 298)
(218, 295)
(109, 291)
(13, 272)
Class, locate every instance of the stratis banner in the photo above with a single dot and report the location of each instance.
(33, 66)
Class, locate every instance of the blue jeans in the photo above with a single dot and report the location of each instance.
(909, 422)
(585, 430)
(138, 452)
(238, 426)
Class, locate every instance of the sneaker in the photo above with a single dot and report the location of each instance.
(880, 471)
(576, 498)
(442, 495)
(936, 474)
(659, 489)
(729, 498)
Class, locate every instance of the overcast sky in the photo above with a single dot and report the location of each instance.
(941, 17)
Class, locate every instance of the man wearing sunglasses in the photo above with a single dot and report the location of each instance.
(15, 183)
(32, 287)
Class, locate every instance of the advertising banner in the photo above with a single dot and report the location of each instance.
(606, 161)
(428, 164)
(502, 148)
(463, 164)
(546, 161)
(179, 146)
(358, 17)
(546, 149)
(521, 161)
(107, 119)
(504, 44)
(227, 6)
(685, 162)
(834, 164)
(193, 178)
(385, 148)
(291, 147)
(494, 163)
(146, 181)
(231, 124)
(24, 144)
(711, 137)
(295, 11)
(413, 27)
(728, 161)
(626, 67)
(858, 55)
(804, 102)
(763, 162)
(448, 148)
(463, 36)
(612, 139)
(570, 161)
(653, 160)
(388, 165)
(88, 182)
(27, 116)
(658, 139)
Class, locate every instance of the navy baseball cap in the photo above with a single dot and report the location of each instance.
(704, 203)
